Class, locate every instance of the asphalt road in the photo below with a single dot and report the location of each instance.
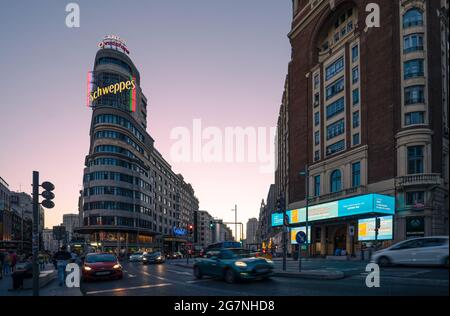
(172, 280)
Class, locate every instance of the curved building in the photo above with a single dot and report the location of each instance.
(130, 198)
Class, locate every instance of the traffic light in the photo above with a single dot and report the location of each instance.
(212, 225)
(281, 204)
(48, 195)
(377, 223)
(191, 229)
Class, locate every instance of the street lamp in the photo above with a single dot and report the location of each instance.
(235, 219)
(305, 173)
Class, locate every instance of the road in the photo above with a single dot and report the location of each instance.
(172, 280)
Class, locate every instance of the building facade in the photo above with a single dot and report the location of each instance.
(251, 239)
(204, 224)
(132, 199)
(50, 244)
(71, 222)
(367, 111)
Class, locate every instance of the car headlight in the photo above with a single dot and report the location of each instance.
(145, 259)
(87, 268)
(158, 258)
(117, 266)
(240, 264)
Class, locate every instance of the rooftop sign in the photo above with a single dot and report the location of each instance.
(114, 42)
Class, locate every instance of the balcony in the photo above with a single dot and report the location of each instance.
(423, 179)
(337, 195)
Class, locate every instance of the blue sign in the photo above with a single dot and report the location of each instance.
(301, 238)
(178, 231)
(277, 219)
(358, 205)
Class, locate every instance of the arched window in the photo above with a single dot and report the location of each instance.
(413, 17)
(335, 181)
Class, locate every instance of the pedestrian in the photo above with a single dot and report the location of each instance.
(13, 261)
(2, 261)
(24, 271)
(41, 262)
(7, 264)
(62, 258)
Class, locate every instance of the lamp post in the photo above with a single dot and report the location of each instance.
(305, 173)
(235, 219)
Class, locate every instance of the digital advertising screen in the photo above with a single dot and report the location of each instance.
(277, 219)
(366, 229)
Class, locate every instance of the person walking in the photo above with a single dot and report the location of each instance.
(62, 258)
(13, 261)
(7, 264)
(2, 261)
(24, 271)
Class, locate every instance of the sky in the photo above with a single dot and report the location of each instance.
(223, 62)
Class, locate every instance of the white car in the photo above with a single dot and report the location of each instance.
(136, 257)
(418, 251)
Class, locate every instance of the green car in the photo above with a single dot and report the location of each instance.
(233, 265)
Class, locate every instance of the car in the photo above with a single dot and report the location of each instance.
(425, 251)
(233, 264)
(176, 255)
(101, 266)
(154, 257)
(136, 257)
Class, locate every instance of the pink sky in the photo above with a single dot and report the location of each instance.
(223, 62)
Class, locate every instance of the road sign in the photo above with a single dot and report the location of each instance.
(301, 238)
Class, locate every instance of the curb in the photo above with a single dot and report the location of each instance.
(312, 275)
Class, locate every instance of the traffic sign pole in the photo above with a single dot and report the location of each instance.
(35, 240)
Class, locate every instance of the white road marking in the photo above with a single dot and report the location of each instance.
(128, 288)
(179, 272)
(131, 275)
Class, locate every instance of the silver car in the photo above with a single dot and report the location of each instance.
(136, 257)
(424, 251)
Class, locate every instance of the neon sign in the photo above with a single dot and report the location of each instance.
(115, 88)
(114, 42)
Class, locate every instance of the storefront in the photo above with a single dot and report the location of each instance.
(343, 227)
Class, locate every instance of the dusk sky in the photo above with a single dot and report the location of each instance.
(221, 61)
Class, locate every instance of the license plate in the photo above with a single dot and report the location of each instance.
(262, 270)
(102, 273)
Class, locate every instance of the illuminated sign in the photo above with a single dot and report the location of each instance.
(294, 232)
(277, 219)
(178, 231)
(119, 87)
(365, 204)
(366, 229)
(114, 42)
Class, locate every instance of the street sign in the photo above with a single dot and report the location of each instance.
(301, 238)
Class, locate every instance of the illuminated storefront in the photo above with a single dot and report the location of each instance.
(344, 224)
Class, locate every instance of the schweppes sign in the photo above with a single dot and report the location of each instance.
(128, 86)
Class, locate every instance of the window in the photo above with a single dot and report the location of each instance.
(316, 118)
(356, 119)
(334, 68)
(349, 26)
(335, 108)
(317, 186)
(336, 147)
(316, 155)
(413, 68)
(415, 159)
(414, 95)
(317, 138)
(356, 140)
(415, 198)
(412, 43)
(356, 174)
(355, 74)
(316, 99)
(335, 129)
(414, 118)
(335, 88)
(355, 53)
(413, 17)
(355, 97)
(316, 81)
(335, 181)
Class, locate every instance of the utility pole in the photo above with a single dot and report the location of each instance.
(235, 221)
(35, 239)
(305, 173)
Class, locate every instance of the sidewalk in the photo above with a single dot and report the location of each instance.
(51, 289)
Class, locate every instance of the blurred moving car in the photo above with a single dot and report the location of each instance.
(175, 255)
(154, 257)
(418, 251)
(233, 265)
(136, 257)
(101, 266)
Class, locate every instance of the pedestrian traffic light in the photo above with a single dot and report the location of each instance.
(48, 195)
